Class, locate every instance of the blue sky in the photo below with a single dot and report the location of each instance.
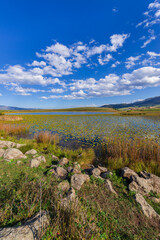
(60, 54)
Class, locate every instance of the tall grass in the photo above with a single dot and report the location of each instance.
(46, 137)
(139, 154)
(12, 129)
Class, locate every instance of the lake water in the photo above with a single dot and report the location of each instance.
(92, 127)
(59, 113)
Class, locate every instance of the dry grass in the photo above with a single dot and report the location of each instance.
(46, 137)
(138, 154)
(12, 129)
(10, 118)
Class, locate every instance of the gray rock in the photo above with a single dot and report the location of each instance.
(61, 172)
(77, 180)
(96, 172)
(64, 186)
(19, 162)
(145, 186)
(128, 173)
(41, 159)
(102, 169)
(13, 153)
(32, 152)
(70, 199)
(110, 188)
(63, 161)
(70, 169)
(146, 208)
(35, 163)
(55, 158)
(30, 230)
(7, 144)
(106, 174)
(18, 145)
(144, 174)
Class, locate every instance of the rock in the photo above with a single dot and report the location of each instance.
(140, 185)
(18, 145)
(30, 230)
(41, 159)
(145, 186)
(146, 208)
(70, 169)
(96, 172)
(63, 161)
(127, 173)
(64, 186)
(110, 188)
(61, 172)
(77, 180)
(7, 144)
(55, 158)
(106, 174)
(102, 169)
(144, 174)
(19, 162)
(13, 153)
(32, 152)
(70, 199)
(2, 151)
(35, 163)
(154, 199)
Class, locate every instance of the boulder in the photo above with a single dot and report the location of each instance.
(63, 161)
(109, 187)
(146, 208)
(145, 185)
(70, 199)
(55, 158)
(96, 172)
(70, 169)
(102, 169)
(18, 145)
(61, 172)
(77, 180)
(2, 151)
(128, 173)
(19, 162)
(30, 230)
(35, 162)
(64, 186)
(7, 144)
(13, 153)
(106, 174)
(32, 152)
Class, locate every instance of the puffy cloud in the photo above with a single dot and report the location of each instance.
(37, 64)
(112, 84)
(23, 91)
(131, 61)
(105, 59)
(18, 74)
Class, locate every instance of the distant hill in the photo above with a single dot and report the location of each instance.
(149, 102)
(2, 107)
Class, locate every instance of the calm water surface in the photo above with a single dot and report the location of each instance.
(60, 113)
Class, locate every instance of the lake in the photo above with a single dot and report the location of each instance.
(89, 129)
(59, 113)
